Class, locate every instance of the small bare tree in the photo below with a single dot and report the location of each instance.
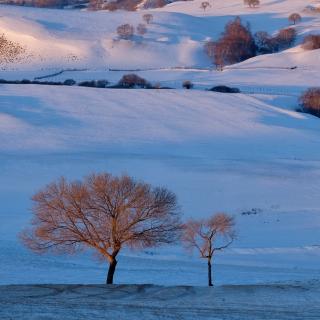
(187, 84)
(104, 213)
(294, 18)
(310, 101)
(208, 236)
(141, 29)
(147, 18)
(311, 42)
(252, 3)
(204, 5)
(125, 31)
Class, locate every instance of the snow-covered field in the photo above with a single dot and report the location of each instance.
(218, 152)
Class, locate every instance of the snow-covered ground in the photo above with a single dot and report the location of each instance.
(218, 152)
(286, 302)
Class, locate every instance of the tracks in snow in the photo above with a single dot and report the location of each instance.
(281, 302)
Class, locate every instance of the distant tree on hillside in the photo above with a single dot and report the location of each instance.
(148, 18)
(236, 44)
(208, 236)
(252, 3)
(50, 3)
(209, 49)
(141, 29)
(294, 18)
(151, 4)
(104, 213)
(111, 6)
(311, 42)
(129, 5)
(285, 38)
(204, 5)
(96, 4)
(310, 101)
(265, 43)
(125, 31)
(187, 84)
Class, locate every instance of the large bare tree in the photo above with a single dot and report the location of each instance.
(103, 212)
(208, 236)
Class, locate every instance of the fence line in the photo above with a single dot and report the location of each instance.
(58, 73)
(269, 91)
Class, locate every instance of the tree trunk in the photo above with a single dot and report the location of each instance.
(209, 273)
(112, 269)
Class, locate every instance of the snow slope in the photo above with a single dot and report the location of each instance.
(216, 151)
(60, 39)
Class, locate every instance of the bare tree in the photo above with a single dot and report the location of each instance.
(125, 31)
(141, 29)
(265, 43)
(49, 3)
(285, 38)
(208, 236)
(104, 213)
(204, 5)
(294, 18)
(311, 42)
(187, 84)
(151, 4)
(111, 6)
(209, 49)
(148, 18)
(95, 5)
(129, 5)
(310, 101)
(252, 3)
(236, 44)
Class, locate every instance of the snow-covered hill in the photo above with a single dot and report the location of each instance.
(242, 153)
(88, 40)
